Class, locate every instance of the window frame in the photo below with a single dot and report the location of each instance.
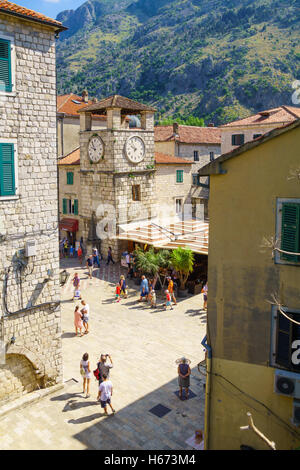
(181, 172)
(211, 156)
(136, 196)
(70, 173)
(275, 315)
(181, 205)
(11, 39)
(196, 156)
(16, 168)
(278, 227)
(237, 135)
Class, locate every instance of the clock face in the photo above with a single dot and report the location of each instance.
(135, 149)
(96, 149)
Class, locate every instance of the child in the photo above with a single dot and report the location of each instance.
(168, 298)
(79, 253)
(123, 287)
(71, 251)
(118, 293)
(153, 298)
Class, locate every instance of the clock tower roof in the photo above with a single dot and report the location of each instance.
(126, 105)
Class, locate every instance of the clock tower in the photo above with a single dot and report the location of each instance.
(117, 170)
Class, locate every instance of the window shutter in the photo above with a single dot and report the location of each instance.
(64, 206)
(5, 65)
(75, 205)
(283, 346)
(179, 176)
(7, 170)
(70, 178)
(290, 231)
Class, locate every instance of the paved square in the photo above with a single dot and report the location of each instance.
(144, 344)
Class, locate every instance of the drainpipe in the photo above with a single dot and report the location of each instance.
(207, 391)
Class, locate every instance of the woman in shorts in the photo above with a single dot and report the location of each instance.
(86, 374)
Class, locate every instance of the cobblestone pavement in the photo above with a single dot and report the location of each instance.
(144, 344)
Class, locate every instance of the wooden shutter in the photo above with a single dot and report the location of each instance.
(7, 170)
(70, 178)
(76, 206)
(5, 65)
(179, 176)
(290, 231)
(65, 206)
(283, 341)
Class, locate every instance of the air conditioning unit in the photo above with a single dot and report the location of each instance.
(296, 412)
(287, 383)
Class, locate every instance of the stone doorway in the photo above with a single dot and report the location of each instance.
(17, 377)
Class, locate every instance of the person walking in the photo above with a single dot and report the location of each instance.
(86, 374)
(204, 292)
(66, 246)
(96, 257)
(76, 285)
(104, 367)
(105, 394)
(123, 290)
(78, 321)
(118, 293)
(89, 265)
(79, 254)
(152, 295)
(184, 373)
(109, 256)
(171, 289)
(85, 316)
(168, 300)
(144, 289)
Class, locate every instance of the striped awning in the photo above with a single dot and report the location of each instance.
(191, 234)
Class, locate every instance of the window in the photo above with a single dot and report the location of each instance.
(284, 335)
(70, 206)
(70, 177)
(7, 170)
(136, 192)
(211, 156)
(256, 136)
(237, 139)
(202, 181)
(178, 206)
(196, 156)
(290, 231)
(179, 176)
(5, 65)
(195, 179)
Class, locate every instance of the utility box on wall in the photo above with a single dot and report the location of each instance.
(30, 249)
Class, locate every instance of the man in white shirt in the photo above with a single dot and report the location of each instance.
(105, 394)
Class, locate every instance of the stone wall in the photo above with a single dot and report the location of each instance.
(28, 120)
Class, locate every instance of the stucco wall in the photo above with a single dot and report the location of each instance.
(68, 133)
(167, 190)
(226, 134)
(242, 276)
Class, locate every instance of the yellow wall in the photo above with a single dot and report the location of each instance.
(242, 276)
(229, 408)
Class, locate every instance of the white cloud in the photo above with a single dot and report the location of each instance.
(52, 1)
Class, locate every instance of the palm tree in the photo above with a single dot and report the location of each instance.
(150, 262)
(182, 260)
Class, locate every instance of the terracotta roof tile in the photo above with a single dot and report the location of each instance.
(70, 105)
(117, 101)
(12, 8)
(162, 158)
(72, 158)
(188, 134)
(280, 115)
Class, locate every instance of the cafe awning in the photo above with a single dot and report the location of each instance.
(69, 225)
(191, 234)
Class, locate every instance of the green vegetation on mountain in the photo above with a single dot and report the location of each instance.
(210, 59)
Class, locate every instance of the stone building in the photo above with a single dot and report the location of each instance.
(68, 121)
(29, 262)
(237, 133)
(117, 170)
(199, 145)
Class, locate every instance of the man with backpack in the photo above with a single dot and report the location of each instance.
(103, 367)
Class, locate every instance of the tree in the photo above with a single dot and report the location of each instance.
(182, 260)
(150, 263)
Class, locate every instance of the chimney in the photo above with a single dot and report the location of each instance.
(85, 96)
(211, 124)
(175, 128)
(94, 100)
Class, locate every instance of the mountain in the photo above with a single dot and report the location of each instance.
(209, 58)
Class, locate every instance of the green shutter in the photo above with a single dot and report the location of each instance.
(290, 231)
(65, 202)
(70, 178)
(76, 206)
(179, 176)
(7, 170)
(5, 65)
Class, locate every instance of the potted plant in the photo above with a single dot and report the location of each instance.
(182, 260)
(150, 263)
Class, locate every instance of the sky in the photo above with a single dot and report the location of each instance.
(50, 7)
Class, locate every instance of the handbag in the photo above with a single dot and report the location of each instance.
(96, 373)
